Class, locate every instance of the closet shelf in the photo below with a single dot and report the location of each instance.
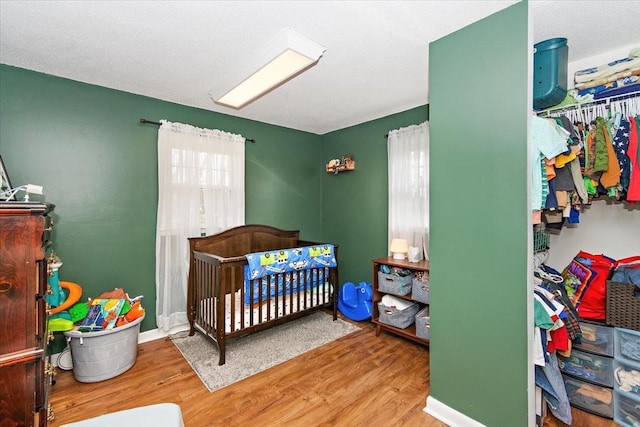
(627, 101)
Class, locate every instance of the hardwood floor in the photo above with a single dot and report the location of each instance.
(358, 380)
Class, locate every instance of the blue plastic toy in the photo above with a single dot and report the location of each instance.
(355, 301)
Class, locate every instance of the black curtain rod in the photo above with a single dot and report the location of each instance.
(144, 121)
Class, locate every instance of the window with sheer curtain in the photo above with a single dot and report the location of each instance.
(408, 163)
(200, 192)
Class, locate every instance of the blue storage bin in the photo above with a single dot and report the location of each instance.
(550, 72)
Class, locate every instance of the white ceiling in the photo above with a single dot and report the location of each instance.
(375, 64)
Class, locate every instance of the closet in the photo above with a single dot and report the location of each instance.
(585, 370)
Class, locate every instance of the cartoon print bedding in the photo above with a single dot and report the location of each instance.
(276, 273)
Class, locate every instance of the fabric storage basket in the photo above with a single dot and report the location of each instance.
(420, 291)
(394, 284)
(627, 345)
(423, 323)
(398, 318)
(623, 305)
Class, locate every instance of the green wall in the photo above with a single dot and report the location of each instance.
(98, 165)
(479, 219)
(354, 212)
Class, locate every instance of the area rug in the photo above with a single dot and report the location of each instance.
(248, 355)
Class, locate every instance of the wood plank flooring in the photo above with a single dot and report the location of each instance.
(358, 380)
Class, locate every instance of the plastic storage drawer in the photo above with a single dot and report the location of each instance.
(550, 72)
(398, 318)
(627, 345)
(589, 397)
(596, 338)
(591, 367)
(627, 377)
(626, 409)
(394, 284)
(423, 323)
(420, 291)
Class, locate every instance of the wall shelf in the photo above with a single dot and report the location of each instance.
(346, 163)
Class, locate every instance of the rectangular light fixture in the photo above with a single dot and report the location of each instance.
(290, 54)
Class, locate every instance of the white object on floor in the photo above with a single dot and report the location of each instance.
(159, 415)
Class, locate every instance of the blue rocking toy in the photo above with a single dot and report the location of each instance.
(355, 301)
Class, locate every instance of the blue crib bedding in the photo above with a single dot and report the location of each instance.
(276, 273)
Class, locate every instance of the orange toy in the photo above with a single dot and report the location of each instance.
(136, 311)
(75, 292)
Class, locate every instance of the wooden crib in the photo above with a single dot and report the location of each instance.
(221, 305)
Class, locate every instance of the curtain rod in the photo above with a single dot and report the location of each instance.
(144, 121)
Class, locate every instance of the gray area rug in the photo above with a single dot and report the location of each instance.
(248, 355)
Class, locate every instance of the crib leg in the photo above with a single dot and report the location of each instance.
(221, 360)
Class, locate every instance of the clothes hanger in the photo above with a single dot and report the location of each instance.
(547, 276)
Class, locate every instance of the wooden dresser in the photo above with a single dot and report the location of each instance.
(25, 371)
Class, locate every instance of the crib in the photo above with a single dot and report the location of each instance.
(249, 278)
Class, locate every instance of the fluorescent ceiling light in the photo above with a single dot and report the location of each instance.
(288, 56)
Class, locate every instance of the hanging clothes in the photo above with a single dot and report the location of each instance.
(633, 193)
(621, 147)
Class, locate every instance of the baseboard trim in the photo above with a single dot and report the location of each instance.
(155, 334)
(448, 415)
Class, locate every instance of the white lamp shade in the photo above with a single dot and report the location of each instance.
(399, 248)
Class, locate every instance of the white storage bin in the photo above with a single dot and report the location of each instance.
(591, 367)
(627, 345)
(100, 355)
(596, 338)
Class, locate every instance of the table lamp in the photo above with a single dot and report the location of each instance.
(399, 248)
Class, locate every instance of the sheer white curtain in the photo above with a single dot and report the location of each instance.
(200, 192)
(408, 163)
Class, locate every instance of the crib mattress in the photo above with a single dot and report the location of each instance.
(262, 312)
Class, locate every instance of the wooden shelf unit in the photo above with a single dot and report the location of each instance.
(409, 332)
